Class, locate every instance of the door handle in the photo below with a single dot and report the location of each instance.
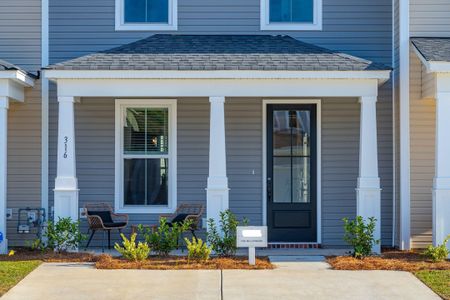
(269, 189)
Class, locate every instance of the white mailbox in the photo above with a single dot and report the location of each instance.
(251, 237)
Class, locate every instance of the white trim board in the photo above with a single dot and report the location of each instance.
(405, 184)
(119, 119)
(207, 87)
(382, 76)
(318, 103)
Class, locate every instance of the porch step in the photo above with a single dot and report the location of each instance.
(293, 246)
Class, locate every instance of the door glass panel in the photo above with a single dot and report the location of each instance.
(281, 133)
(282, 180)
(301, 180)
(301, 132)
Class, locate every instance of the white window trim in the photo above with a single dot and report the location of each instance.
(266, 25)
(318, 103)
(172, 25)
(121, 104)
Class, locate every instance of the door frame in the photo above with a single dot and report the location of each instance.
(318, 103)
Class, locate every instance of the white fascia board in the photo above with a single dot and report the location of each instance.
(18, 76)
(208, 87)
(12, 90)
(433, 66)
(382, 76)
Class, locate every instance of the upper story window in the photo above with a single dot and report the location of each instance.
(291, 14)
(146, 15)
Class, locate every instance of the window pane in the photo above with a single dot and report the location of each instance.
(301, 133)
(158, 11)
(146, 131)
(282, 180)
(281, 133)
(146, 11)
(301, 179)
(296, 11)
(146, 181)
(134, 11)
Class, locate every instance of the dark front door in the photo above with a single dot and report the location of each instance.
(291, 173)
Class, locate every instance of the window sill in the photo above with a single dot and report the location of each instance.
(291, 27)
(145, 210)
(146, 27)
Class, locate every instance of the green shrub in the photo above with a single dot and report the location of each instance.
(64, 235)
(197, 250)
(359, 235)
(438, 253)
(165, 238)
(223, 243)
(130, 250)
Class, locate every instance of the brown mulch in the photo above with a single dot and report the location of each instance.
(181, 263)
(391, 260)
(24, 254)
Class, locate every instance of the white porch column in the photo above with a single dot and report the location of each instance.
(441, 185)
(4, 104)
(217, 189)
(66, 183)
(368, 191)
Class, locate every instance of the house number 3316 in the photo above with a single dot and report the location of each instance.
(66, 140)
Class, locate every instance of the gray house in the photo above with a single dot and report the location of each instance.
(291, 113)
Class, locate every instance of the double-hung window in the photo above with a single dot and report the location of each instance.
(146, 15)
(145, 155)
(291, 14)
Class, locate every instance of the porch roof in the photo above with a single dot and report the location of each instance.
(433, 49)
(219, 52)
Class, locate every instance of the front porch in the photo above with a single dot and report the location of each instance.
(217, 140)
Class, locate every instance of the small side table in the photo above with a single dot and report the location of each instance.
(134, 228)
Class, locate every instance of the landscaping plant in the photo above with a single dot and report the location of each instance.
(165, 238)
(359, 235)
(223, 243)
(64, 235)
(130, 250)
(197, 250)
(438, 253)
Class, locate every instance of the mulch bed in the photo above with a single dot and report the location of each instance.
(391, 260)
(181, 263)
(108, 262)
(25, 254)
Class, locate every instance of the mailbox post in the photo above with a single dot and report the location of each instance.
(251, 237)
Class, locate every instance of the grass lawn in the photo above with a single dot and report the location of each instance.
(11, 272)
(437, 280)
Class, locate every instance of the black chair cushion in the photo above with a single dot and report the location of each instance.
(104, 215)
(179, 218)
(114, 225)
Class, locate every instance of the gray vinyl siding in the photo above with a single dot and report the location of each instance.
(20, 33)
(20, 44)
(422, 120)
(24, 159)
(430, 18)
(358, 27)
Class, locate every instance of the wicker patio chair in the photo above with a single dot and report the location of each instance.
(101, 217)
(193, 212)
(184, 212)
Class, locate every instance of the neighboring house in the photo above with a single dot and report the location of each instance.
(287, 112)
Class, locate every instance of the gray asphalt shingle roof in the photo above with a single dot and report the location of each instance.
(433, 49)
(219, 52)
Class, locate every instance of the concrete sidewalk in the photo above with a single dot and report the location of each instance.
(295, 278)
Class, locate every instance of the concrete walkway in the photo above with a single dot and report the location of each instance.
(296, 277)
